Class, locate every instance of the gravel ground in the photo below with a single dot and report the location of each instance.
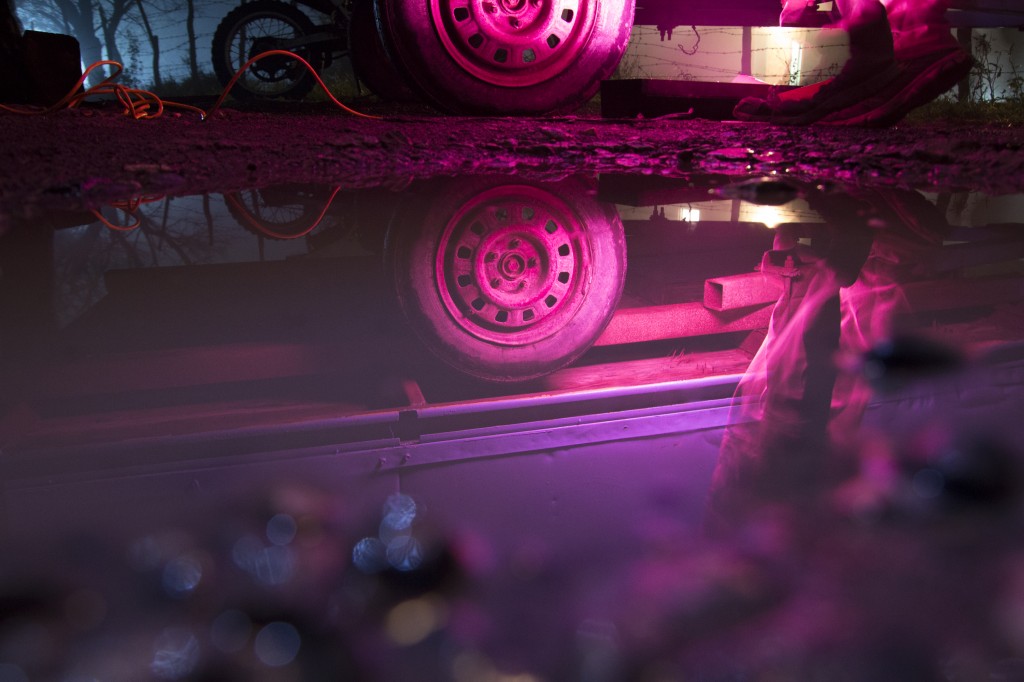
(95, 154)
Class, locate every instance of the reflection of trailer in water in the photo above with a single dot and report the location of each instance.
(387, 346)
(293, 385)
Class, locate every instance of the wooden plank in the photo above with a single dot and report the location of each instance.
(650, 370)
(188, 367)
(681, 320)
(742, 291)
(112, 427)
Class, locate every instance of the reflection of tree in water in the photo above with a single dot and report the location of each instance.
(151, 236)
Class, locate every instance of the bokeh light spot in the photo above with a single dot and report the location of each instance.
(928, 483)
(182, 575)
(175, 654)
(281, 529)
(277, 644)
(399, 511)
(370, 555)
(405, 553)
(412, 621)
(230, 631)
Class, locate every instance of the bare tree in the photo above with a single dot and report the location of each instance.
(106, 28)
(154, 41)
(79, 16)
(111, 13)
(190, 26)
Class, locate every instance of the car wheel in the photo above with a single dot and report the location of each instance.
(506, 56)
(508, 281)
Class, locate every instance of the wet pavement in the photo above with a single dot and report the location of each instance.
(94, 154)
(492, 399)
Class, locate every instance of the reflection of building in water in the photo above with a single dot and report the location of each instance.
(734, 210)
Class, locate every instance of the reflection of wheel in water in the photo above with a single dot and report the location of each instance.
(508, 282)
(281, 212)
(257, 27)
(506, 56)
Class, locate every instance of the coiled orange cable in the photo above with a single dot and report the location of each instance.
(140, 104)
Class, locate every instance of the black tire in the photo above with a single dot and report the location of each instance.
(370, 61)
(506, 56)
(507, 281)
(256, 27)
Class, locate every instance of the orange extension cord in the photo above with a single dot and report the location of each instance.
(131, 206)
(270, 232)
(140, 104)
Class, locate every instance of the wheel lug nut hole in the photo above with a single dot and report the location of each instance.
(563, 250)
(550, 301)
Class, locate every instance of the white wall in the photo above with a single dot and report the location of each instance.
(782, 56)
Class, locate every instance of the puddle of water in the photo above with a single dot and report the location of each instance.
(300, 406)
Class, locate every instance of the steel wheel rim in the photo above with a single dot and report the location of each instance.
(512, 265)
(512, 43)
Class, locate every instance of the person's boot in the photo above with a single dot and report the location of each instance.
(869, 69)
(929, 60)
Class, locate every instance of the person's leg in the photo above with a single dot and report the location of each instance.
(919, 27)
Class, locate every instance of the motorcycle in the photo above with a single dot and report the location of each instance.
(256, 27)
